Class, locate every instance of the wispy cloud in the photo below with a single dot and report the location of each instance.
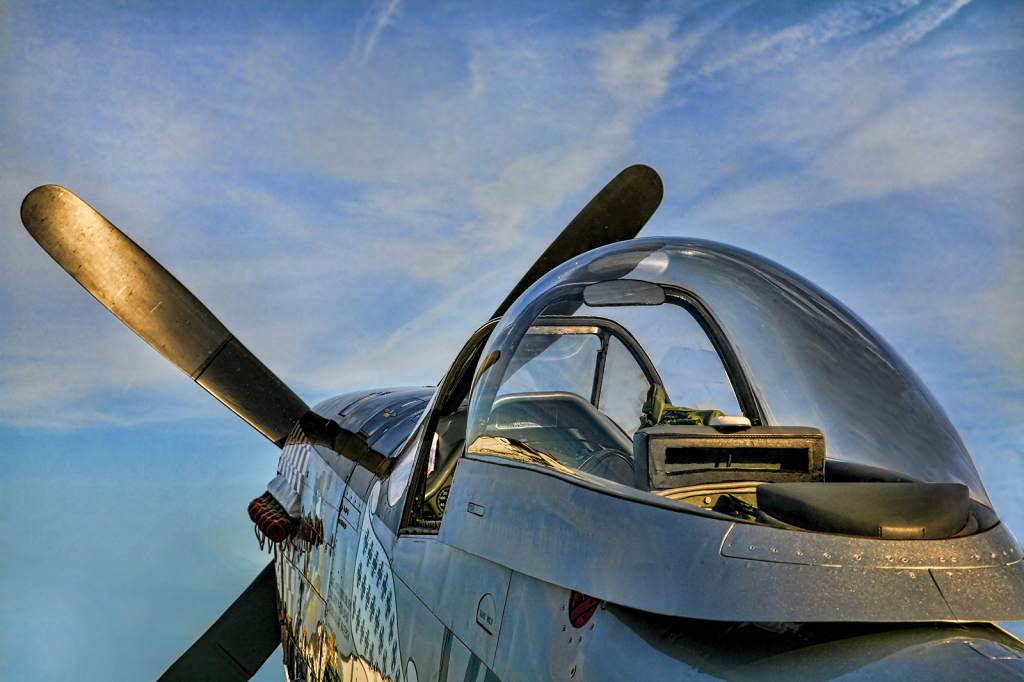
(916, 27)
(378, 17)
(299, 183)
(858, 125)
(636, 65)
(432, 191)
(759, 50)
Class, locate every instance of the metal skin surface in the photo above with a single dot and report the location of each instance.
(370, 604)
(681, 563)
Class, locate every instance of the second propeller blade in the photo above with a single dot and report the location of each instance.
(617, 213)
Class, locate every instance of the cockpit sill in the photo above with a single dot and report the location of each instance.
(991, 544)
(656, 554)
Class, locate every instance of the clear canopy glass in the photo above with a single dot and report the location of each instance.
(735, 333)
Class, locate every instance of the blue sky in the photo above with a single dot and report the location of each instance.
(353, 187)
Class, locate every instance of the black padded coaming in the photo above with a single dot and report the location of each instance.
(901, 511)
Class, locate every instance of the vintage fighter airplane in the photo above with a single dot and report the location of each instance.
(662, 458)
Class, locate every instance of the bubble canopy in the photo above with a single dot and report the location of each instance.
(788, 354)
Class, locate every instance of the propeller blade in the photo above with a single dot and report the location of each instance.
(239, 642)
(157, 307)
(617, 213)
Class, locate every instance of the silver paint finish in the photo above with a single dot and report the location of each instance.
(668, 562)
(539, 643)
(985, 593)
(993, 548)
(451, 583)
(374, 617)
(438, 590)
(341, 597)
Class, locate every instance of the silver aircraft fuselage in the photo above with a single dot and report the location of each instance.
(365, 602)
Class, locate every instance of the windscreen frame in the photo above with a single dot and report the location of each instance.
(512, 334)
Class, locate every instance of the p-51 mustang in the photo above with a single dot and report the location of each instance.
(662, 458)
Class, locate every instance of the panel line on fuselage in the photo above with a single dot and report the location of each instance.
(446, 654)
